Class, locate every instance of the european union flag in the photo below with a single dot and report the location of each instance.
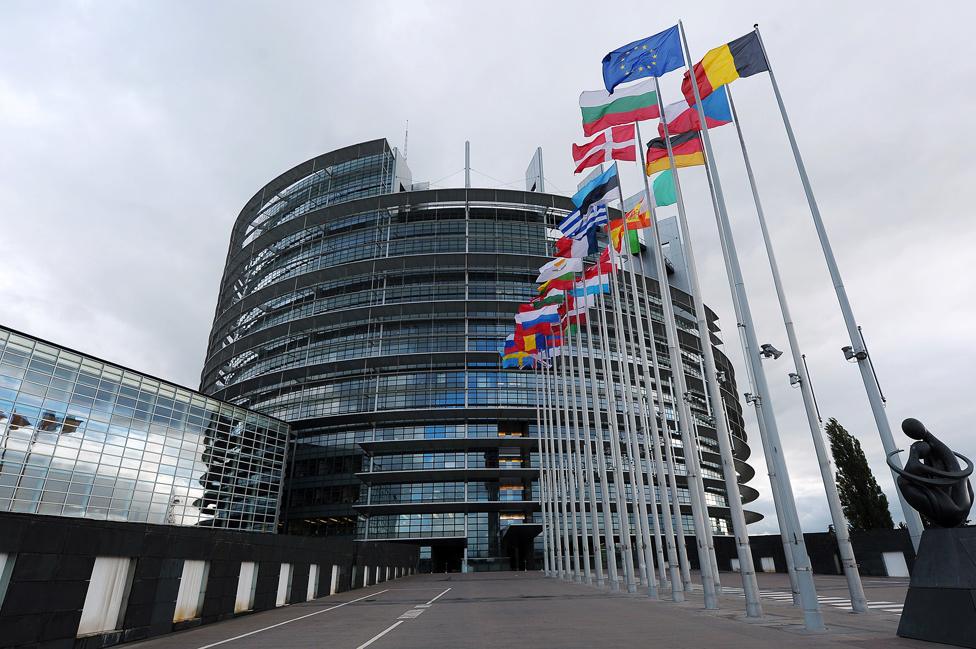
(653, 56)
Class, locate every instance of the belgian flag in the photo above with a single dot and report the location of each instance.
(742, 57)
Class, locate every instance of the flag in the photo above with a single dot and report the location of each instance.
(592, 286)
(682, 118)
(554, 296)
(516, 360)
(559, 267)
(578, 225)
(687, 149)
(584, 295)
(562, 283)
(540, 328)
(596, 190)
(617, 234)
(601, 110)
(601, 267)
(538, 316)
(742, 57)
(569, 247)
(638, 216)
(664, 192)
(620, 145)
(653, 56)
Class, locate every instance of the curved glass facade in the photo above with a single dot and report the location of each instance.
(370, 320)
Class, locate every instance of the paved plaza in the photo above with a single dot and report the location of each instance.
(508, 609)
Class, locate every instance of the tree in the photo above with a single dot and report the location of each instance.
(865, 505)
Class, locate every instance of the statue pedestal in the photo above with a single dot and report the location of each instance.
(941, 601)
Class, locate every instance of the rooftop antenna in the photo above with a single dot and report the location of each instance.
(467, 164)
(406, 136)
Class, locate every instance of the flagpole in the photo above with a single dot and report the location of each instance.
(854, 586)
(565, 572)
(808, 594)
(643, 404)
(602, 458)
(653, 441)
(588, 451)
(542, 470)
(562, 429)
(750, 585)
(677, 586)
(623, 514)
(645, 555)
(680, 534)
(685, 422)
(577, 464)
(858, 351)
(637, 476)
(553, 486)
(626, 437)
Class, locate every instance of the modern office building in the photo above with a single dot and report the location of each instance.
(368, 312)
(86, 438)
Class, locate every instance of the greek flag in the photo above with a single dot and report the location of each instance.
(577, 225)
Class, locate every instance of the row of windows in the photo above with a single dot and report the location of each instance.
(81, 438)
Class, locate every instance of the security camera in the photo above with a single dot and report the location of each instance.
(768, 351)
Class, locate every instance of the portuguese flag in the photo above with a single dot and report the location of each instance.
(687, 149)
(742, 57)
(627, 105)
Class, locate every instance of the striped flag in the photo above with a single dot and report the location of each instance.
(577, 225)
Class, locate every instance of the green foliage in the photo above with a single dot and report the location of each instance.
(865, 505)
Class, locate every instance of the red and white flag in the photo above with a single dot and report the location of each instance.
(617, 143)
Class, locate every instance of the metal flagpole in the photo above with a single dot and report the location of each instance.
(602, 460)
(858, 351)
(551, 474)
(577, 463)
(685, 420)
(679, 532)
(565, 572)
(623, 514)
(588, 451)
(677, 588)
(808, 593)
(542, 472)
(645, 554)
(649, 425)
(562, 429)
(713, 393)
(653, 438)
(858, 603)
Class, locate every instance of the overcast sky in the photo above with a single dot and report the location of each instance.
(132, 133)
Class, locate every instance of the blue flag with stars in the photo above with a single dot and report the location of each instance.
(653, 56)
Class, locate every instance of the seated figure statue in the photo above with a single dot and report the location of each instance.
(932, 481)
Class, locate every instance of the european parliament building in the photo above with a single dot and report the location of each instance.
(367, 312)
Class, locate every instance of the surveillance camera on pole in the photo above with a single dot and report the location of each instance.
(768, 351)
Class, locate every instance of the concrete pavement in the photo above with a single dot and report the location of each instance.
(510, 609)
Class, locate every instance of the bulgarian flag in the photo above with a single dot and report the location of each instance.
(634, 103)
(618, 143)
(562, 283)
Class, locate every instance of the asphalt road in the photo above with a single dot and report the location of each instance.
(510, 609)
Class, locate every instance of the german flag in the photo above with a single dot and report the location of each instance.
(687, 148)
(742, 57)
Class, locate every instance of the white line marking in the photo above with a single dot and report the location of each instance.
(411, 614)
(295, 619)
(380, 635)
(438, 597)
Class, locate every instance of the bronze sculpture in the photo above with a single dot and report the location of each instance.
(932, 481)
